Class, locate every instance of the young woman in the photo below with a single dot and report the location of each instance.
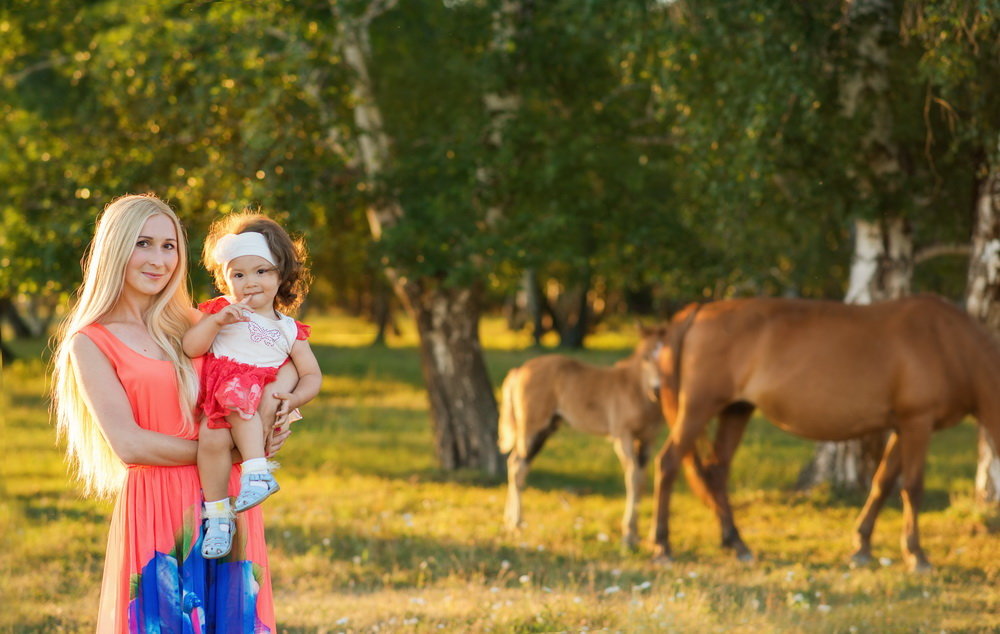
(124, 397)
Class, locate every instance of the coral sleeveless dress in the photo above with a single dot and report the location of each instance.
(155, 579)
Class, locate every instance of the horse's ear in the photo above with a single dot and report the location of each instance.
(642, 330)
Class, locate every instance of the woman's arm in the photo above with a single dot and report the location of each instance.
(109, 404)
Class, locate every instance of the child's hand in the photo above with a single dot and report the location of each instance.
(286, 405)
(232, 314)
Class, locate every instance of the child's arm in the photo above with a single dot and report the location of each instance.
(199, 337)
(310, 379)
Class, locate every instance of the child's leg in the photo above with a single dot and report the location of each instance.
(215, 461)
(214, 465)
(248, 435)
(256, 482)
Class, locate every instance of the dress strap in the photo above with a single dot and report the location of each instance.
(109, 344)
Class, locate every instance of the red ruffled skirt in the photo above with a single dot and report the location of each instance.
(228, 386)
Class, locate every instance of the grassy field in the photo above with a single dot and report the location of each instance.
(367, 535)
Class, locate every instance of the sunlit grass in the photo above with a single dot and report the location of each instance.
(369, 535)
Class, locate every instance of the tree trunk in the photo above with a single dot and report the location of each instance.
(983, 303)
(883, 260)
(382, 310)
(881, 270)
(463, 409)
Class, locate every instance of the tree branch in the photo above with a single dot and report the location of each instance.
(938, 250)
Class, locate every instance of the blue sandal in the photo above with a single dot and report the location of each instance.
(254, 489)
(217, 540)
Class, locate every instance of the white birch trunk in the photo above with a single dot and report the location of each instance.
(882, 269)
(883, 257)
(983, 303)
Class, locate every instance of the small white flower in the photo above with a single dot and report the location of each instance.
(680, 595)
(356, 559)
(504, 565)
(546, 589)
(693, 575)
(326, 541)
(824, 608)
(611, 589)
(418, 601)
(645, 585)
(494, 589)
(524, 579)
(577, 600)
(602, 537)
(885, 561)
(540, 548)
(412, 621)
(343, 621)
(616, 573)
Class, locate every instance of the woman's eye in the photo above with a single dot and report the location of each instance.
(238, 275)
(170, 245)
(142, 243)
(261, 271)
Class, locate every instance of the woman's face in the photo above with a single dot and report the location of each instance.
(154, 257)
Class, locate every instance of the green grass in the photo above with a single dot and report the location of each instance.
(368, 535)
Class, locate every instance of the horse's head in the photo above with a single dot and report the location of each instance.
(652, 340)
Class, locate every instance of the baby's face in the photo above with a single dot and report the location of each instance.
(252, 278)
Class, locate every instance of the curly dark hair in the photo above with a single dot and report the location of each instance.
(292, 265)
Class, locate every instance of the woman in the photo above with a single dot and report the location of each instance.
(124, 396)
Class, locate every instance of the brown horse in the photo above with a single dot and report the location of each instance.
(825, 371)
(619, 402)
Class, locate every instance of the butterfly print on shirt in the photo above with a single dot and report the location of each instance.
(267, 336)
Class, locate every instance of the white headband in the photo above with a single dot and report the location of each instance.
(233, 245)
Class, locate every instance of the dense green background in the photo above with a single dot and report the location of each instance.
(661, 150)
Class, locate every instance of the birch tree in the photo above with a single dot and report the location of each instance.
(463, 408)
(983, 303)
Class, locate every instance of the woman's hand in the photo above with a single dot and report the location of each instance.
(279, 434)
(274, 412)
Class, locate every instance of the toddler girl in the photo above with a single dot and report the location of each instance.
(262, 269)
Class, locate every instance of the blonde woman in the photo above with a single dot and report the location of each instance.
(124, 396)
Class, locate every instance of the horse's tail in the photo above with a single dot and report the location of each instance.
(680, 325)
(507, 425)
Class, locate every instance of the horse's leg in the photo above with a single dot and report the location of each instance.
(688, 425)
(913, 442)
(528, 444)
(885, 476)
(633, 488)
(517, 476)
(732, 423)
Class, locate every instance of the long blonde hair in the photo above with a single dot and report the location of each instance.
(167, 318)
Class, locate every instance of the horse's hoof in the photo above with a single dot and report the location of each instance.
(923, 567)
(745, 556)
(860, 559)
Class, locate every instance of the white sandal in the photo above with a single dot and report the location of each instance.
(217, 540)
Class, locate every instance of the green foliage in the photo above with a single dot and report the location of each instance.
(696, 147)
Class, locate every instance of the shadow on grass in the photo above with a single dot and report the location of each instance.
(409, 561)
